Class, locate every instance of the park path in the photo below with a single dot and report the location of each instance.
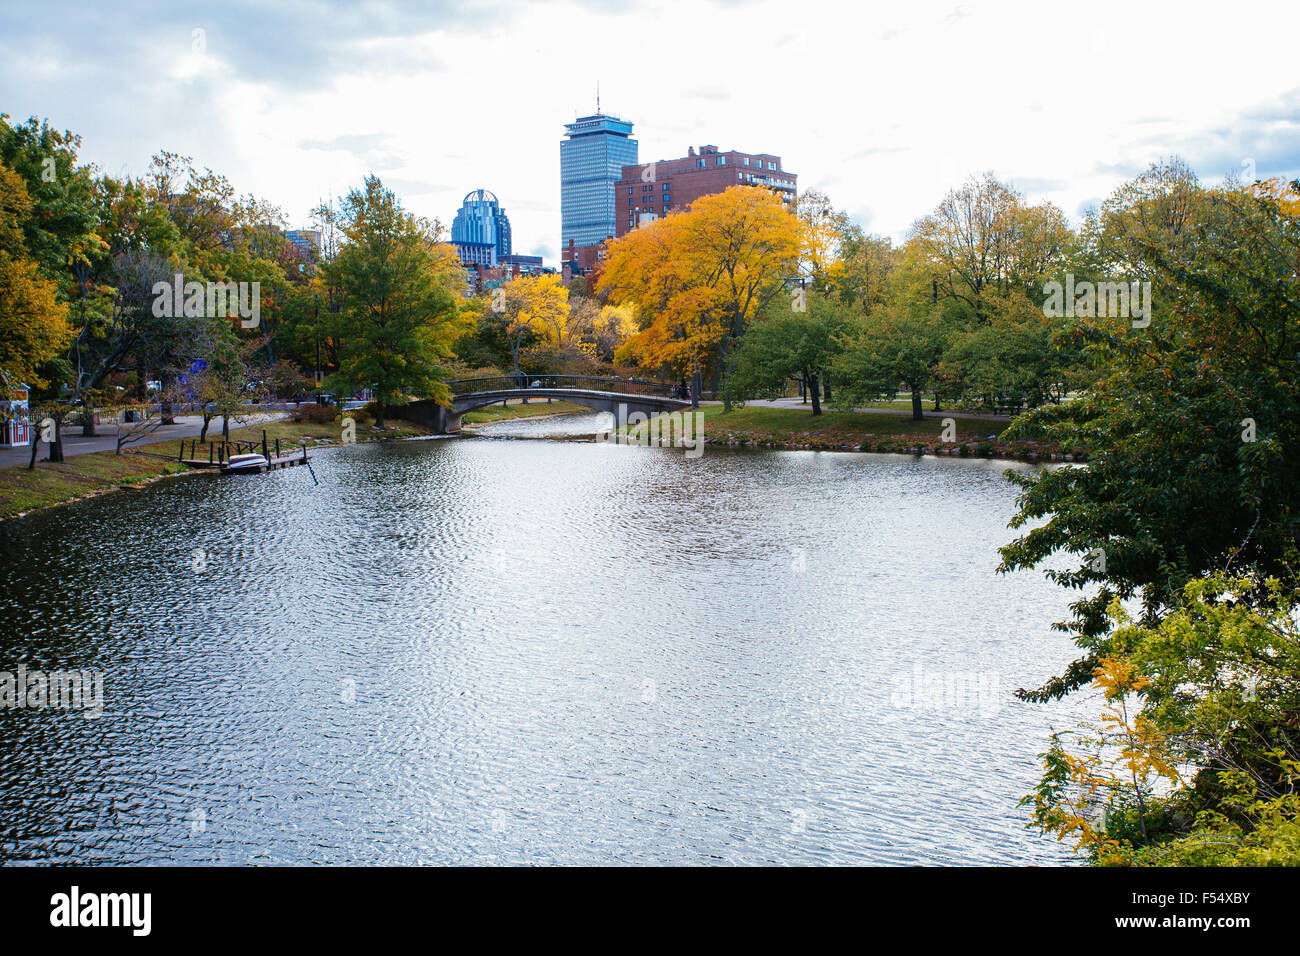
(187, 426)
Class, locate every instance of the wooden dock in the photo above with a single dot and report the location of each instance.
(219, 454)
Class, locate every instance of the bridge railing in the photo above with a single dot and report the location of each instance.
(593, 383)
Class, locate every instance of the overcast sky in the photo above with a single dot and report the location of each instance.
(884, 107)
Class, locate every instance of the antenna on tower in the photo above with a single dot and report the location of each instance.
(598, 97)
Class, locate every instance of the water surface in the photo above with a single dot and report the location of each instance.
(501, 651)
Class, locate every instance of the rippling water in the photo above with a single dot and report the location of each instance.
(472, 650)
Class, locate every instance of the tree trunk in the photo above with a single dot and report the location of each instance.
(813, 391)
(56, 447)
(379, 414)
(826, 391)
(697, 385)
(225, 426)
(917, 413)
(167, 412)
(203, 432)
(87, 420)
(936, 402)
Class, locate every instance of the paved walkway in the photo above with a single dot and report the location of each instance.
(795, 403)
(187, 426)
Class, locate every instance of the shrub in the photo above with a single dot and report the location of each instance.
(316, 414)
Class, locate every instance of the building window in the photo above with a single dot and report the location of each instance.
(722, 160)
(771, 165)
(699, 163)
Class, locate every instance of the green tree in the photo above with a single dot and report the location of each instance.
(1206, 700)
(1193, 430)
(400, 315)
(62, 230)
(902, 341)
(786, 344)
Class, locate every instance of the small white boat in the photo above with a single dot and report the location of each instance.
(252, 462)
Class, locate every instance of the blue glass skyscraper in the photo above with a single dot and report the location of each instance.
(591, 161)
(481, 232)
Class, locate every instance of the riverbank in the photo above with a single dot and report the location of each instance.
(82, 476)
(95, 473)
(799, 429)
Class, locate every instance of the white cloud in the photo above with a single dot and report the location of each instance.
(883, 109)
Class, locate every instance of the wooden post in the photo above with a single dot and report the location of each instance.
(277, 448)
(180, 455)
(211, 449)
(265, 454)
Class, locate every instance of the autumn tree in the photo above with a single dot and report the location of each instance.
(701, 276)
(33, 321)
(530, 309)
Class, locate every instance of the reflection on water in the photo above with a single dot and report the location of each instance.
(555, 426)
(518, 651)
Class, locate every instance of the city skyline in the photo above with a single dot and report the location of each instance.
(295, 114)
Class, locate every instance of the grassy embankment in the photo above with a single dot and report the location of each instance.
(81, 476)
(798, 428)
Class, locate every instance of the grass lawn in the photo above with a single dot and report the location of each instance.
(80, 475)
(537, 407)
(762, 426)
(902, 403)
(292, 434)
(760, 423)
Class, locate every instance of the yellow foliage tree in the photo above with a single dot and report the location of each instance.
(531, 304)
(33, 322)
(702, 275)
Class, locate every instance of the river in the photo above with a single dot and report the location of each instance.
(493, 650)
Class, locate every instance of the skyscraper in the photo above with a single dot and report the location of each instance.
(591, 161)
(481, 231)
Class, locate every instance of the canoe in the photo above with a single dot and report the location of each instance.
(252, 462)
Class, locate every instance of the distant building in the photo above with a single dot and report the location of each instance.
(576, 260)
(649, 191)
(305, 243)
(524, 265)
(481, 230)
(592, 158)
(480, 277)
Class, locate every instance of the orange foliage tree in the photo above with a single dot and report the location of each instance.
(698, 278)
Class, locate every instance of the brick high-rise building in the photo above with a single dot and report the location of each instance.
(651, 190)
